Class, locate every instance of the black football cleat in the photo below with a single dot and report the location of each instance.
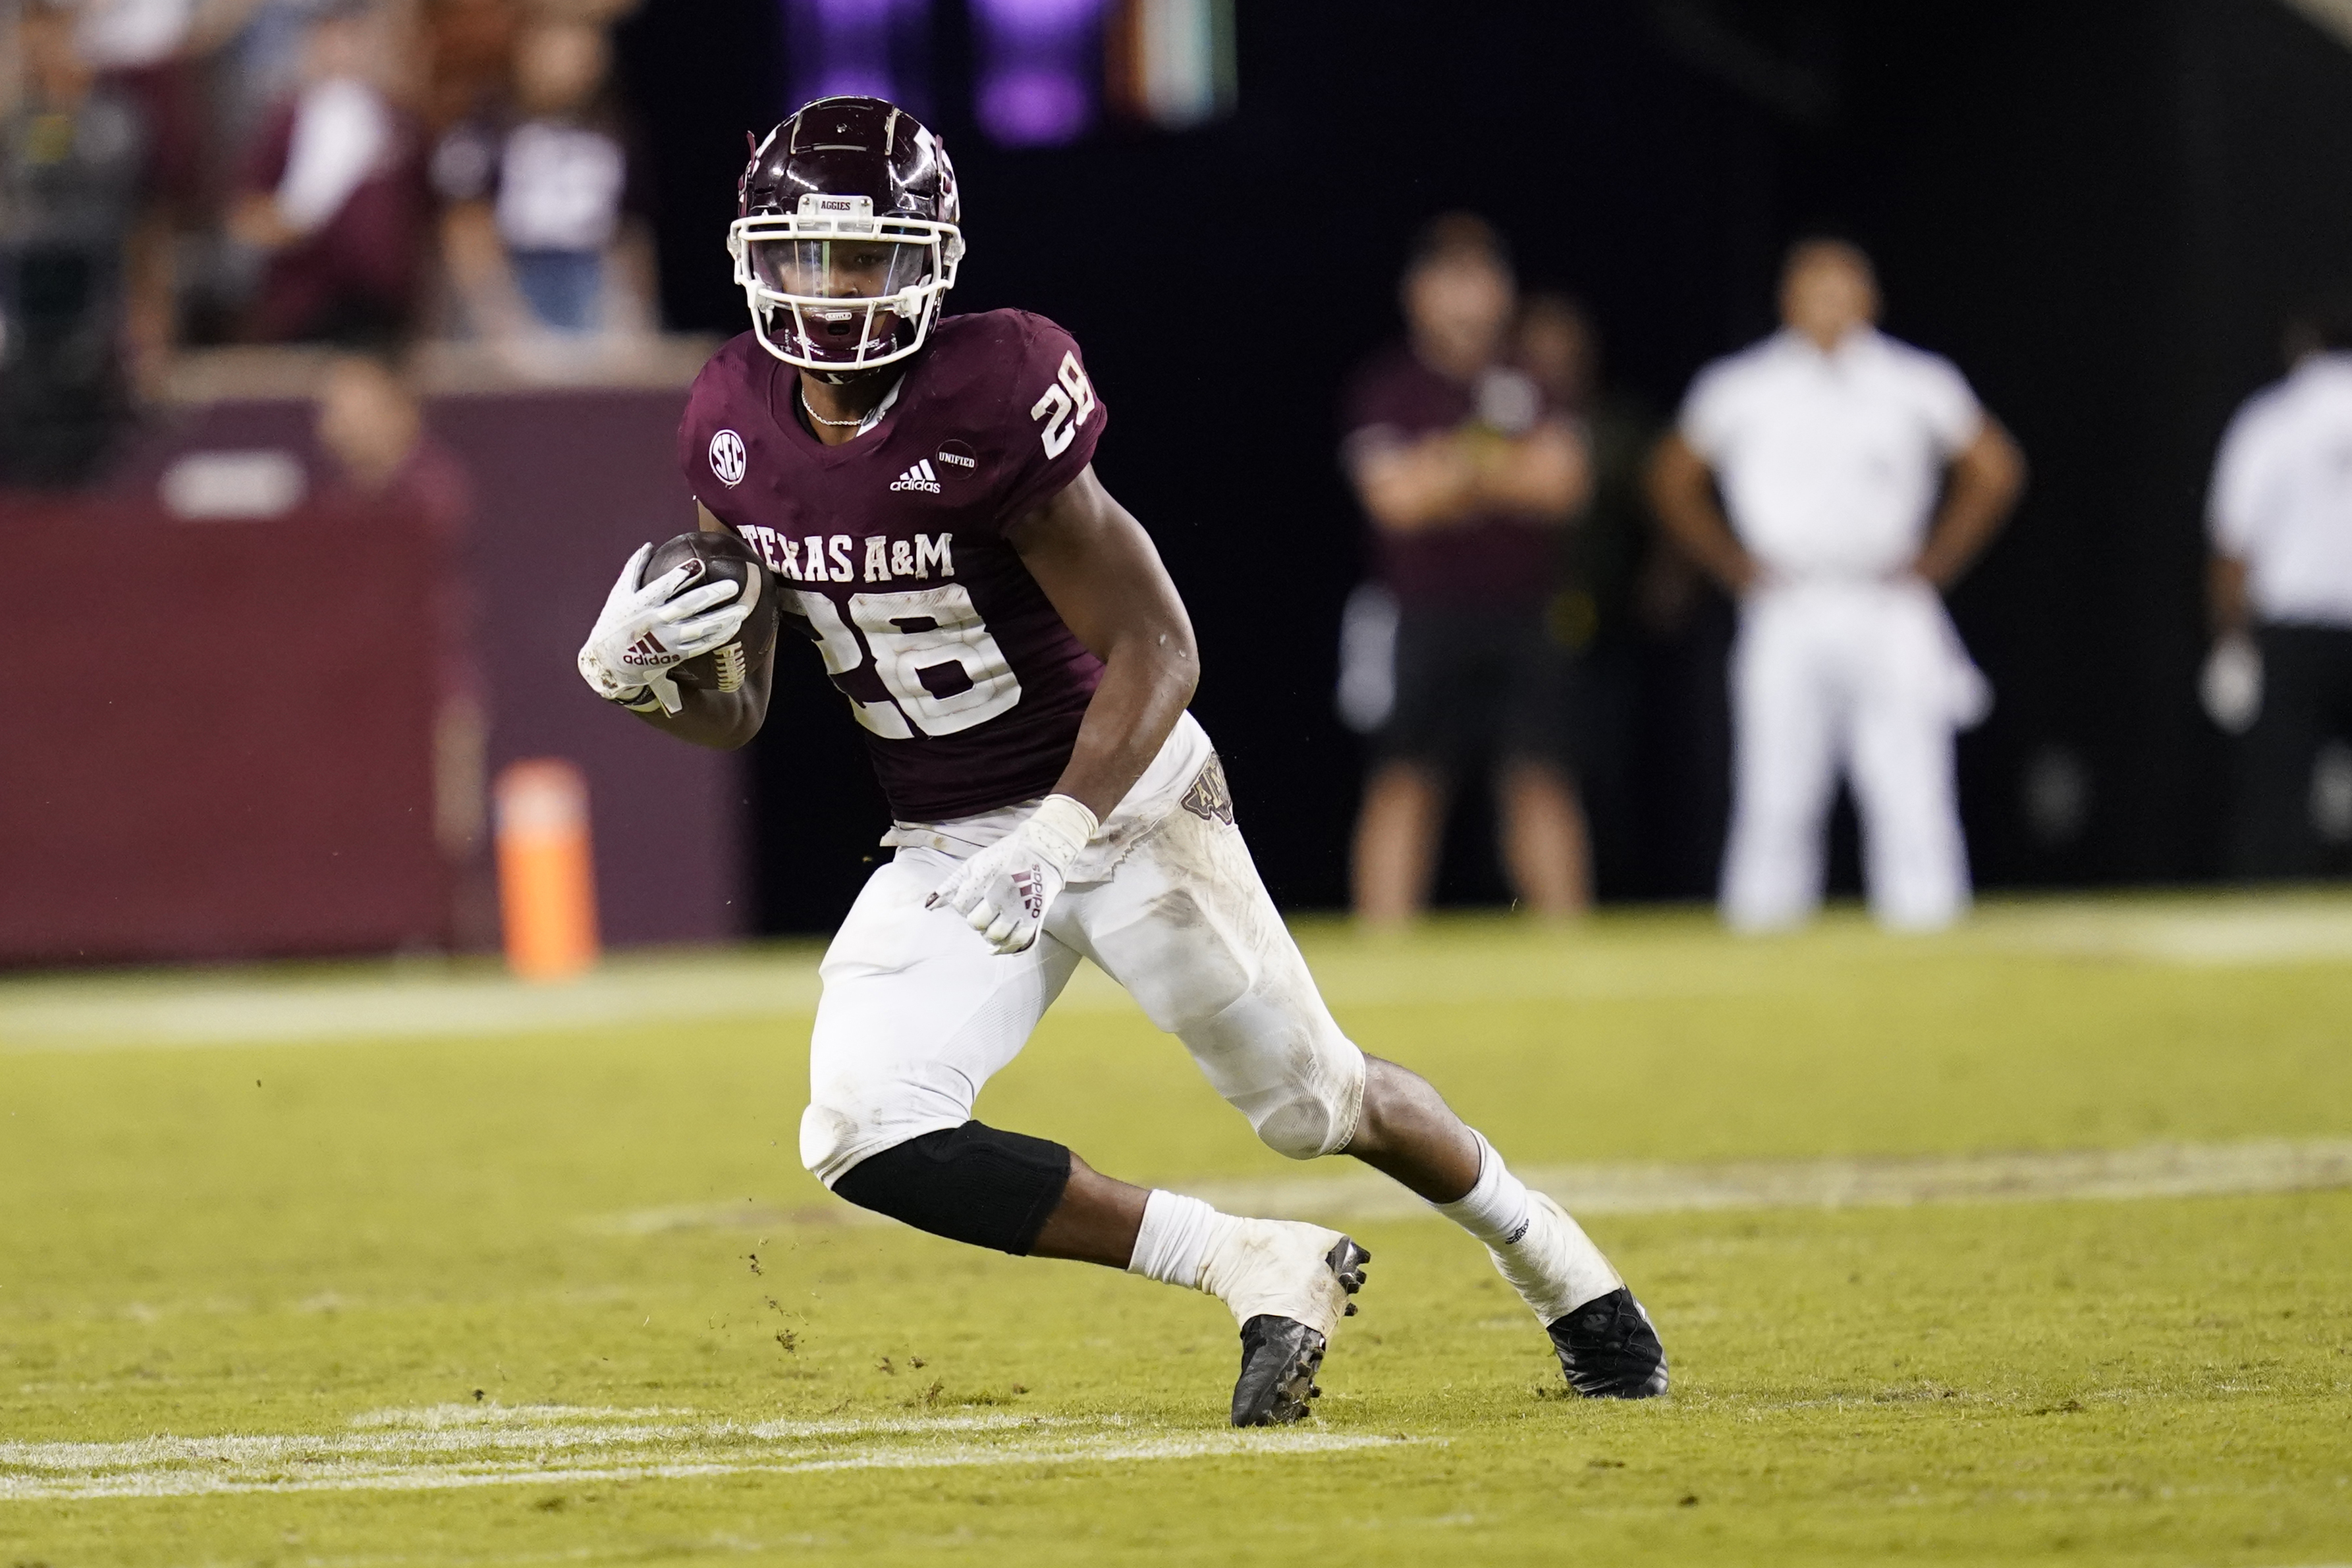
(1608, 1350)
(1281, 1355)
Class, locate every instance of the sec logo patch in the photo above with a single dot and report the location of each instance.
(726, 458)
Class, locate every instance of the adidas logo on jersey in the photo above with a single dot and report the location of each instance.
(921, 476)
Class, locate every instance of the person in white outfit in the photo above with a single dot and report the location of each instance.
(2281, 517)
(1858, 477)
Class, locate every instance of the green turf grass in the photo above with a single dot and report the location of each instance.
(278, 1239)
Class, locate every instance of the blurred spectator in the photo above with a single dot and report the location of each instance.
(370, 425)
(1594, 610)
(1830, 442)
(260, 58)
(73, 153)
(332, 195)
(1557, 345)
(534, 235)
(1467, 476)
(386, 467)
(2281, 585)
(141, 47)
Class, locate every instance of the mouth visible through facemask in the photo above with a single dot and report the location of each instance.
(841, 335)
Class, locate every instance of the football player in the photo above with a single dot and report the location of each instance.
(921, 487)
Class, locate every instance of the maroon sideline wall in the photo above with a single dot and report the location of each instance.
(172, 786)
(229, 754)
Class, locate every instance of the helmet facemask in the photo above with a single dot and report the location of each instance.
(833, 287)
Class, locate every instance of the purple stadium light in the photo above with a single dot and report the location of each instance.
(867, 47)
(1039, 61)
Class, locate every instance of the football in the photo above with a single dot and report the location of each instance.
(722, 555)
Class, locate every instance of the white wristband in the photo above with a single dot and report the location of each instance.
(1061, 827)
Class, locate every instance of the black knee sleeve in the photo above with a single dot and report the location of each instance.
(971, 1183)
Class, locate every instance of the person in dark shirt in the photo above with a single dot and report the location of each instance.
(1594, 614)
(72, 156)
(385, 467)
(1467, 476)
(332, 195)
(537, 233)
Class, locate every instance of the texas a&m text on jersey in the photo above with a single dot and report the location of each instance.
(890, 555)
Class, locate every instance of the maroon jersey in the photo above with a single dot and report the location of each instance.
(890, 555)
(1493, 561)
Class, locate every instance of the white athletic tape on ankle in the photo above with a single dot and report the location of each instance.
(1173, 1240)
(1495, 1209)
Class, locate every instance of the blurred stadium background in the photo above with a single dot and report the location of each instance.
(2102, 216)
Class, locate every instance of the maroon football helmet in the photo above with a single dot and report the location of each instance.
(845, 237)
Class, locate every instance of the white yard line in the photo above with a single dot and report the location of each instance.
(552, 1445)
(1351, 1193)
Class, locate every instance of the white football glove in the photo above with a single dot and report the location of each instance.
(643, 633)
(1004, 892)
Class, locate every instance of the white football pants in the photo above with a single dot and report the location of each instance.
(1869, 678)
(918, 1013)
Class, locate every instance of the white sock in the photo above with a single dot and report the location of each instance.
(1495, 1209)
(1176, 1235)
(1545, 1255)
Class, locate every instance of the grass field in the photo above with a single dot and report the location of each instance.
(401, 1264)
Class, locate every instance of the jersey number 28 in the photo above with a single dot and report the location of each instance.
(1067, 402)
(911, 634)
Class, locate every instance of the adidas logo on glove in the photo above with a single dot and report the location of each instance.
(921, 476)
(1032, 889)
(645, 651)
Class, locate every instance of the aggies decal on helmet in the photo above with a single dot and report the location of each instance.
(846, 235)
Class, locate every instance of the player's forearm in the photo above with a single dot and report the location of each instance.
(1147, 681)
(722, 721)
